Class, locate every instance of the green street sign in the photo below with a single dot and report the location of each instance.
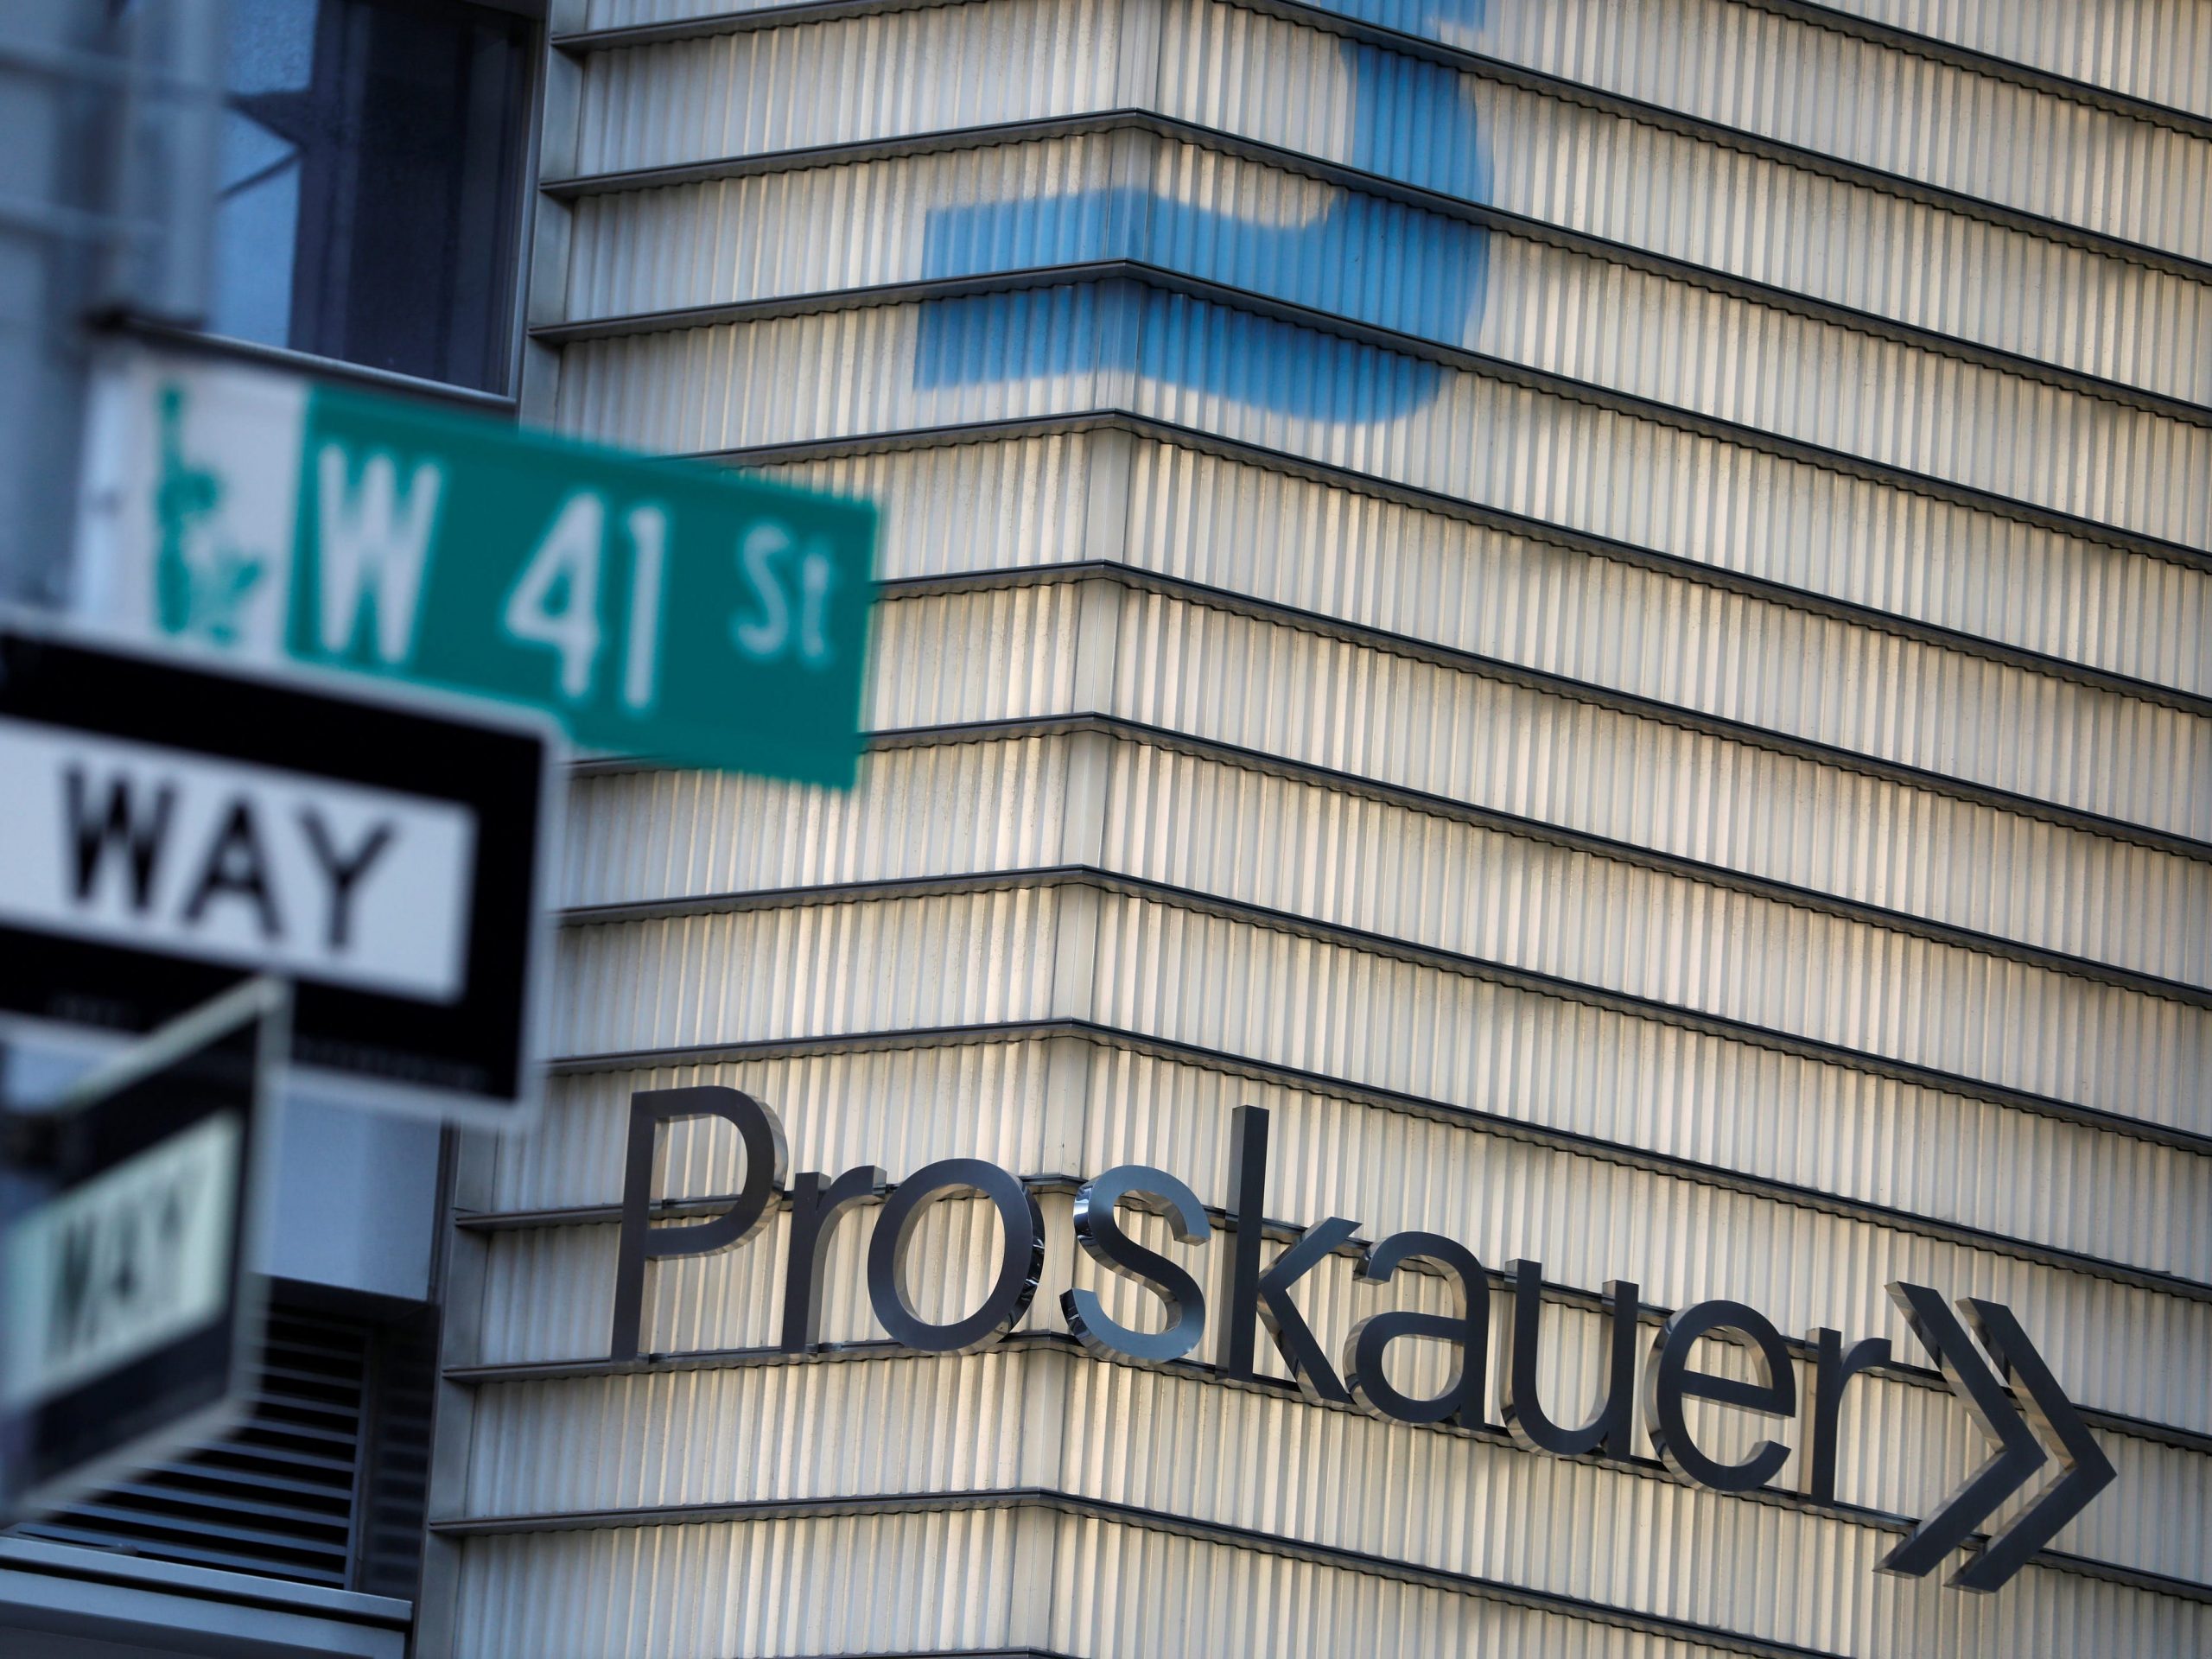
(668, 609)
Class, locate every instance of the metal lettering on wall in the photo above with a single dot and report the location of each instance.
(1260, 1296)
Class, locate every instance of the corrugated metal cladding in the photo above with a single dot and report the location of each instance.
(1603, 604)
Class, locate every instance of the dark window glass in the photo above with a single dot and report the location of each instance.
(372, 182)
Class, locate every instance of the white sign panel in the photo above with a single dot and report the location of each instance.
(168, 821)
(129, 1209)
(201, 465)
(123, 1265)
(226, 861)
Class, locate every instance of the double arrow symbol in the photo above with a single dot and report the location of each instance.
(2019, 1454)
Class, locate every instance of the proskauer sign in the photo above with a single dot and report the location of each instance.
(1258, 1293)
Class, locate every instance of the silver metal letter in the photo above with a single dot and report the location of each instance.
(1466, 1328)
(1101, 1238)
(768, 1161)
(1021, 1267)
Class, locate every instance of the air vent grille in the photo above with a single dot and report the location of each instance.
(276, 1495)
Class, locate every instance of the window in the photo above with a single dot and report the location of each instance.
(372, 182)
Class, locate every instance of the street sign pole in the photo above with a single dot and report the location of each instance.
(130, 1316)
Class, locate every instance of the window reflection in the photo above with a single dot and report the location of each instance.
(371, 182)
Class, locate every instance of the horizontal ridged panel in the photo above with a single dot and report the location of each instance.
(949, 809)
(1027, 206)
(1338, 1477)
(942, 1582)
(1004, 654)
(978, 505)
(1290, 542)
(1732, 211)
(703, 978)
(1403, 720)
(1309, 852)
(1284, 999)
(1166, 1597)
(1292, 86)
(1768, 1117)
(1295, 543)
(962, 959)
(1427, 726)
(1320, 1008)
(1274, 842)
(1903, 1444)
(1365, 560)
(2156, 49)
(1406, 421)
(771, 1432)
(1786, 78)
(1675, 54)
(872, 76)
(1674, 193)
(633, 14)
(899, 1583)
(791, 1433)
(776, 235)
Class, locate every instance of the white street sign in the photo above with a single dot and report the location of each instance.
(121, 1266)
(169, 824)
(226, 862)
(129, 1212)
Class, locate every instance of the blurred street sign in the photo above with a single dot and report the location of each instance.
(675, 610)
(172, 823)
(128, 1315)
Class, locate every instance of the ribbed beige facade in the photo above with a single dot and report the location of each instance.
(1603, 605)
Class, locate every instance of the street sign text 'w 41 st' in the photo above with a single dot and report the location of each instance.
(673, 610)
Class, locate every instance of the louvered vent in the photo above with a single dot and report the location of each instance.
(274, 1497)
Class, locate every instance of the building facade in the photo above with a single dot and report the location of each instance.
(1602, 608)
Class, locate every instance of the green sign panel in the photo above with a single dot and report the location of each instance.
(667, 609)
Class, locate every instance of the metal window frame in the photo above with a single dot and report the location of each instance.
(507, 399)
(67, 1590)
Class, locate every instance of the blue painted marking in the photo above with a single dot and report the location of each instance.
(1441, 266)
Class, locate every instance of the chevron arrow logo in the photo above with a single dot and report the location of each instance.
(2020, 1452)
